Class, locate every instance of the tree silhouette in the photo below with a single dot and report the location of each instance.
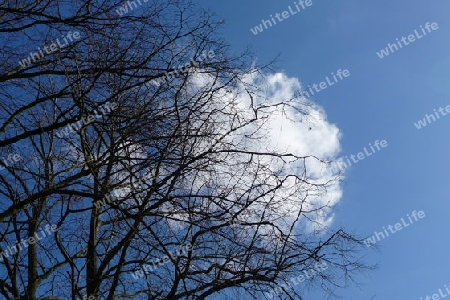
(145, 143)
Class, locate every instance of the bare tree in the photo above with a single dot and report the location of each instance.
(144, 168)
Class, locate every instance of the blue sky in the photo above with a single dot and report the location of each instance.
(380, 100)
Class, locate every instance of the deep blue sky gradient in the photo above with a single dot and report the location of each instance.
(380, 100)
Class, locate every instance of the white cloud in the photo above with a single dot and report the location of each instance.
(299, 127)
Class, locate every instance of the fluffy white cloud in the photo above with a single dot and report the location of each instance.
(298, 127)
(287, 124)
